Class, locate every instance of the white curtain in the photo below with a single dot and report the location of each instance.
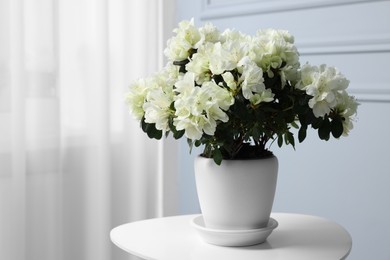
(73, 164)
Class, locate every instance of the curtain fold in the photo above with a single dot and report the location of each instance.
(73, 164)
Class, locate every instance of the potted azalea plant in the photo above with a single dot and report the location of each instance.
(236, 94)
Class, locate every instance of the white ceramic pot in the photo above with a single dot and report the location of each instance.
(238, 194)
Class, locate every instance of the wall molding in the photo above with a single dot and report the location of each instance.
(214, 9)
(345, 45)
(371, 95)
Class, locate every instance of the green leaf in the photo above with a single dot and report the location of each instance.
(256, 133)
(143, 124)
(302, 134)
(154, 133)
(178, 134)
(172, 106)
(151, 130)
(289, 138)
(181, 62)
(337, 127)
(302, 120)
(190, 144)
(317, 122)
(197, 143)
(294, 124)
(280, 140)
(324, 130)
(217, 156)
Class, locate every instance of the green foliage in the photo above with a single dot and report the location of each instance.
(176, 134)
(151, 130)
(255, 125)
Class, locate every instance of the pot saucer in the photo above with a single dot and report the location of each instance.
(224, 237)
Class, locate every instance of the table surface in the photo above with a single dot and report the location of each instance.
(298, 237)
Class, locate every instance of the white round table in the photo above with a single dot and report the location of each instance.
(298, 237)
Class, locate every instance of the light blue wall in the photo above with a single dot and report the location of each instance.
(188, 200)
(346, 180)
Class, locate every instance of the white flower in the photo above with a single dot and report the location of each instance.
(199, 63)
(324, 84)
(179, 47)
(157, 108)
(199, 109)
(159, 98)
(234, 35)
(208, 33)
(220, 97)
(170, 74)
(275, 49)
(151, 97)
(252, 85)
(186, 84)
(264, 96)
(225, 56)
(346, 107)
(136, 96)
(219, 60)
(228, 78)
(237, 50)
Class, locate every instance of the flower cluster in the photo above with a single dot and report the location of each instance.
(233, 92)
